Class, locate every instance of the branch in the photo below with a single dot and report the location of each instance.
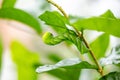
(100, 70)
(59, 8)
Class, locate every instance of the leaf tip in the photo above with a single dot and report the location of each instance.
(46, 37)
(108, 13)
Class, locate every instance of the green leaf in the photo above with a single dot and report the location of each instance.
(48, 38)
(19, 15)
(100, 45)
(70, 35)
(58, 72)
(1, 50)
(55, 20)
(62, 74)
(54, 57)
(111, 76)
(58, 22)
(25, 60)
(66, 67)
(108, 14)
(105, 23)
(65, 74)
(8, 3)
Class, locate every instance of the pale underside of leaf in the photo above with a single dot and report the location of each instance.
(113, 58)
(72, 63)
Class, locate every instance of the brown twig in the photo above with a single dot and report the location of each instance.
(59, 8)
(93, 56)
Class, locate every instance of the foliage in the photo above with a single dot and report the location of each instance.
(73, 65)
(54, 19)
(8, 3)
(101, 23)
(69, 31)
(25, 60)
(113, 58)
(65, 34)
(100, 45)
(18, 15)
(111, 76)
(23, 17)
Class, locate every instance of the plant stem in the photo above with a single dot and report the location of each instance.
(100, 70)
(59, 8)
